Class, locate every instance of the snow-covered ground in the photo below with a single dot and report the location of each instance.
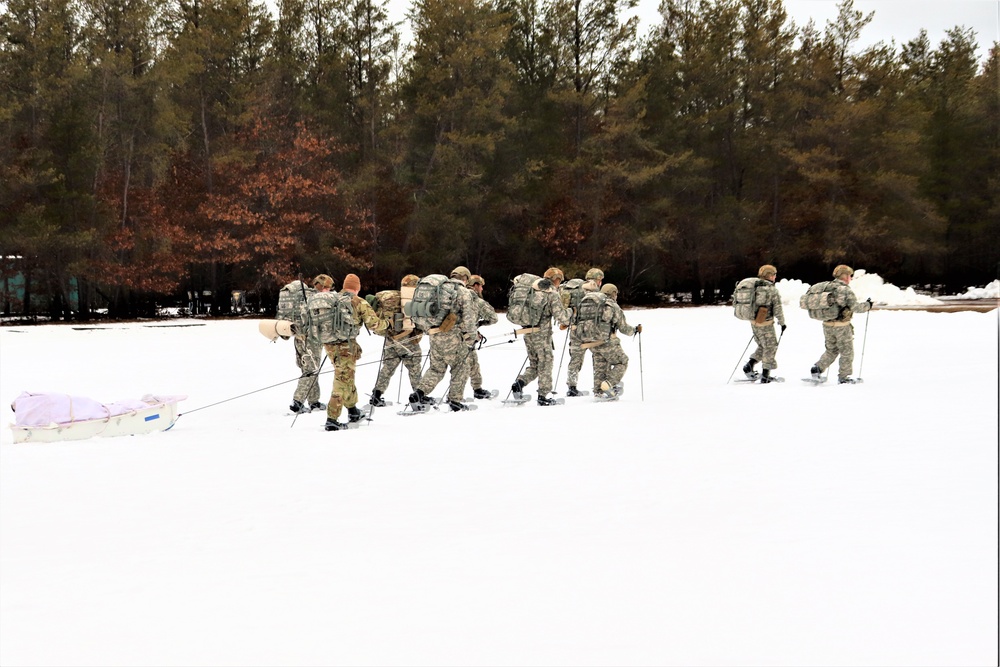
(694, 522)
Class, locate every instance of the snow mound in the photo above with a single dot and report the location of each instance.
(991, 291)
(865, 285)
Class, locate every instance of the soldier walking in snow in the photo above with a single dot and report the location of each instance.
(485, 316)
(594, 278)
(451, 343)
(402, 345)
(336, 321)
(292, 307)
(768, 304)
(538, 339)
(838, 333)
(610, 360)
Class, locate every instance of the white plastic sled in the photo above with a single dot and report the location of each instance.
(55, 417)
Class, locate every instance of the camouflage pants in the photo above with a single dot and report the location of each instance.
(345, 392)
(539, 347)
(610, 363)
(576, 355)
(307, 357)
(475, 372)
(767, 345)
(406, 352)
(838, 341)
(448, 350)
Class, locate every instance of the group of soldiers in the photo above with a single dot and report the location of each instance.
(453, 347)
(453, 344)
(838, 333)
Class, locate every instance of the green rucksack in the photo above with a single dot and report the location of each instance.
(821, 302)
(388, 305)
(332, 316)
(593, 322)
(292, 304)
(525, 303)
(572, 294)
(749, 292)
(433, 298)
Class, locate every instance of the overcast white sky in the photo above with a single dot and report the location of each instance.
(899, 20)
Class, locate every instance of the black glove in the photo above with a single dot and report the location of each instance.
(783, 327)
(869, 300)
(638, 328)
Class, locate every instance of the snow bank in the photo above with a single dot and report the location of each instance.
(991, 291)
(865, 285)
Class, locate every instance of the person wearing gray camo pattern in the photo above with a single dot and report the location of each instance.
(450, 346)
(838, 335)
(610, 360)
(763, 326)
(539, 343)
(594, 279)
(308, 354)
(485, 316)
(405, 350)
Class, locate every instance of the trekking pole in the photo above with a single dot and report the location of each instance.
(863, 341)
(561, 357)
(642, 389)
(518, 375)
(741, 359)
(399, 387)
(377, 373)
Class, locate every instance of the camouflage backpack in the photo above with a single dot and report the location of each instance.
(525, 303)
(821, 302)
(593, 322)
(749, 292)
(572, 292)
(332, 316)
(432, 300)
(292, 303)
(388, 305)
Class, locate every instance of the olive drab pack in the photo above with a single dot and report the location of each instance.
(388, 306)
(572, 293)
(526, 302)
(432, 300)
(292, 303)
(821, 302)
(593, 322)
(332, 315)
(749, 292)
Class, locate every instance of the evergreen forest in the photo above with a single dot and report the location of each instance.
(155, 149)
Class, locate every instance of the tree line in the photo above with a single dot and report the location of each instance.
(153, 148)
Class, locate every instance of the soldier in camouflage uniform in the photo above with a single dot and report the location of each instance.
(610, 360)
(485, 316)
(345, 355)
(838, 335)
(451, 343)
(539, 342)
(594, 279)
(400, 347)
(308, 353)
(768, 310)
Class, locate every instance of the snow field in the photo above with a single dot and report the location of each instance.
(693, 522)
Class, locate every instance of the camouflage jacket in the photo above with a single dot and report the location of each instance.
(485, 315)
(772, 302)
(553, 309)
(364, 313)
(465, 310)
(844, 297)
(618, 322)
